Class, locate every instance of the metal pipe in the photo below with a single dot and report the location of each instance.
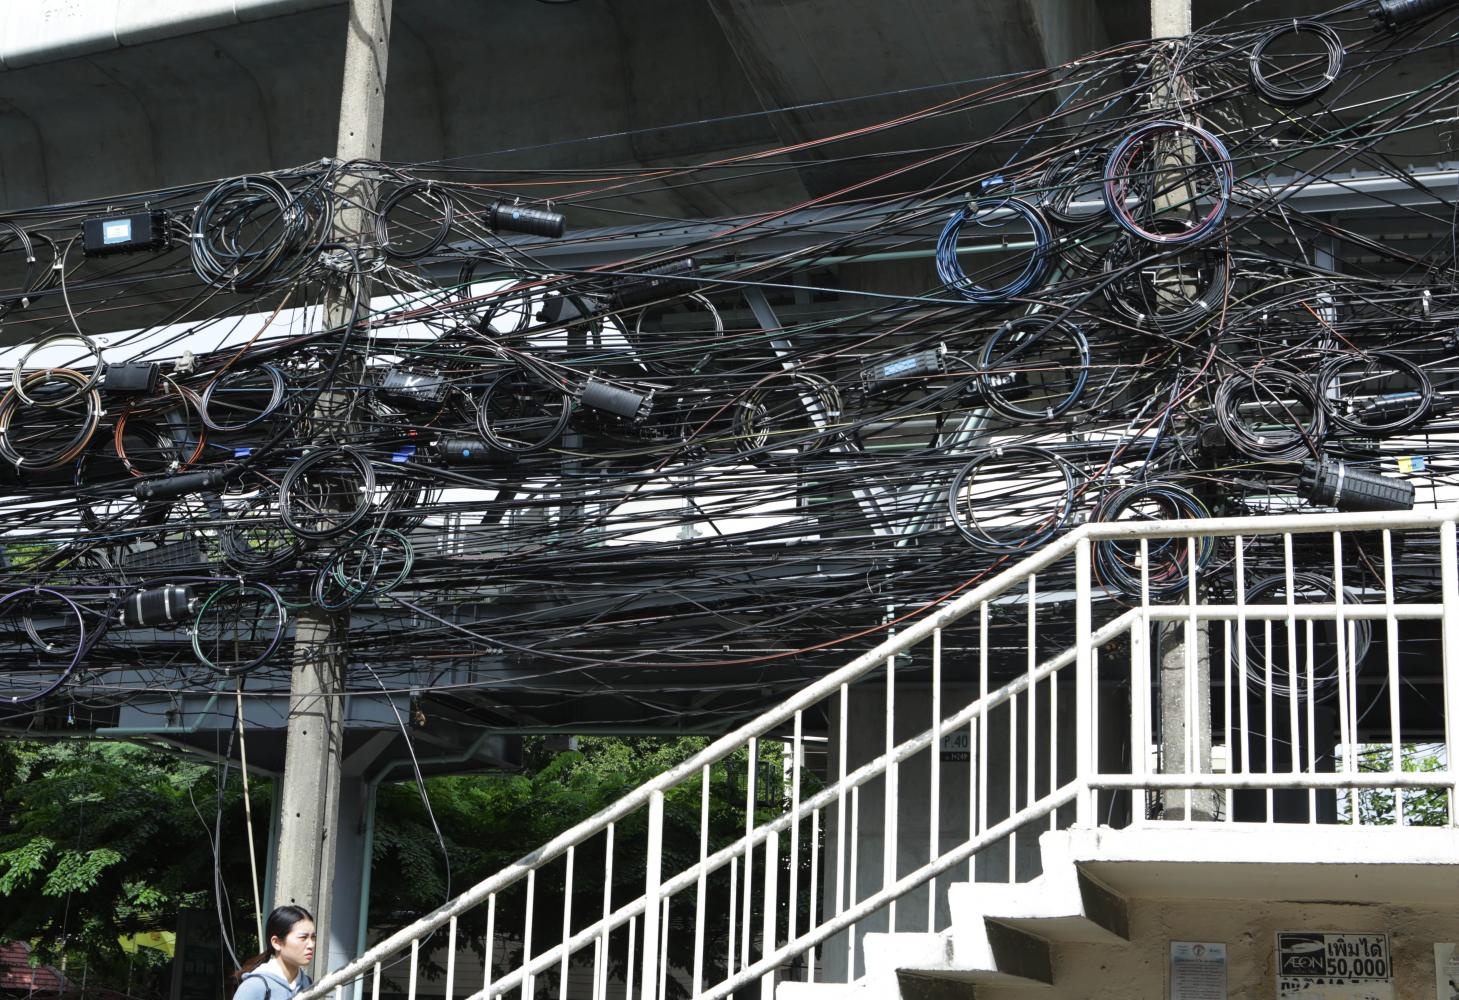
(1449, 569)
(1084, 758)
(190, 728)
(1302, 781)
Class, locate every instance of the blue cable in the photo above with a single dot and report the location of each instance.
(951, 272)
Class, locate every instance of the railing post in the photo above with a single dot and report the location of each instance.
(1449, 571)
(652, 875)
(772, 883)
(1083, 685)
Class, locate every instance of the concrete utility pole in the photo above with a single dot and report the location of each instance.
(1170, 18)
(310, 807)
(1185, 654)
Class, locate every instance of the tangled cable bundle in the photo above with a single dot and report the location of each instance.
(496, 452)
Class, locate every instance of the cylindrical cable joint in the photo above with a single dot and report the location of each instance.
(1392, 14)
(1339, 485)
(886, 374)
(1390, 406)
(655, 283)
(467, 451)
(177, 486)
(131, 378)
(523, 219)
(620, 402)
(978, 391)
(157, 606)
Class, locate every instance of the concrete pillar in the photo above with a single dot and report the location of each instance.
(310, 814)
(1185, 718)
(1170, 18)
(309, 806)
(349, 898)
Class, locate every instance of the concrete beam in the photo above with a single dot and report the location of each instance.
(48, 30)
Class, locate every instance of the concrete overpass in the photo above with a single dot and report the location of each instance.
(102, 97)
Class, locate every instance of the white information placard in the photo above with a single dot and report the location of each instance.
(1446, 971)
(1197, 970)
(1333, 965)
(957, 746)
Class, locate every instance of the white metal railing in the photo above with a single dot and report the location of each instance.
(1323, 666)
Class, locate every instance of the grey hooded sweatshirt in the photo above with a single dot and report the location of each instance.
(265, 983)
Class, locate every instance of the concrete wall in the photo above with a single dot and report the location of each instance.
(1249, 929)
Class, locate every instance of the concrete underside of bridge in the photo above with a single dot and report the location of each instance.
(103, 97)
(88, 111)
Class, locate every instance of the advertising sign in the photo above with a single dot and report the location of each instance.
(1329, 965)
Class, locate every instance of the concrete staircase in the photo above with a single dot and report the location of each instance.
(1002, 934)
(1008, 936)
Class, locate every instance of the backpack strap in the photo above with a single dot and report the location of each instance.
(267, 990)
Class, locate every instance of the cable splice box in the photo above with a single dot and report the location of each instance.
(108, 234)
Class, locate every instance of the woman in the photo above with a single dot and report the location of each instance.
(278, 973)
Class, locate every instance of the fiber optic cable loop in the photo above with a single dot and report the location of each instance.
(368, 565)
(35, 448)
(1389, 407)
(255, 539)
(1117, 563)
(404, 500)
(253, 232)
(1325, 663)
(1065, 178)
(520, 413)
(1271, 414)
(790, 414)
(514, 309)
(981, 212)
(1013, 521)
(427, 194)
(1025, 367)
(238, 627)
(18, 378)
(1170, 290)
(327, 492)
(21, 681)
(1296, 93)
(668, 354)
(1130, 184)
(173, 454)
(223, 405)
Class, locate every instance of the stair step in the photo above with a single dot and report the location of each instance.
(818, 991)
(1062, 904)
(930, 966)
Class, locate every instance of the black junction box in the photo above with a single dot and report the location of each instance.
(125, 233)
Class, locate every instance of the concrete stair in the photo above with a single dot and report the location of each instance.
(1001, 935)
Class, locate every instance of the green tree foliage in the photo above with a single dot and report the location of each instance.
(1421, 807)
(101, 839)
(105, 838)
(490, 821)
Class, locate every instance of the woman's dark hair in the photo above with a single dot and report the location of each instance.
(280, 922)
